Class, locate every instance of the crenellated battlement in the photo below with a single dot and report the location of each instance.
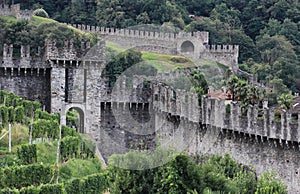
(69, 53)
(203, 36)
(234, 49)
(194, 44)
(15, 56)
(14, 10)
(224, 54)
(262, 123)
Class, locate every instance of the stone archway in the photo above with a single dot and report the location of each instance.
(187, 47)
(79, 108)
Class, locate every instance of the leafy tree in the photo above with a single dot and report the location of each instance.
(285, 101)
(232, 85)
(268, 183)
(40, 12)
(274, 47)
(119, 63)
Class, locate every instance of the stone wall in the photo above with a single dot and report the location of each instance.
(256, 139)
(169, 43)
(31, 84)
(14, 10)
(125, 126)
(25, 75)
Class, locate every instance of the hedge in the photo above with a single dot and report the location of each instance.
(45, 129)
(91, 184)
(68, 131)
(23, 176)
(96, 183)
(4, 115)
(76, 147)
(27, 154)
(20, 114)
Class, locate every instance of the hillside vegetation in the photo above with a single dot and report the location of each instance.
(267, 31)
(32, 168)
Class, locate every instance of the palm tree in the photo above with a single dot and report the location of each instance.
(232, 84)
(241, 90)
(254, 95)
(285, 101)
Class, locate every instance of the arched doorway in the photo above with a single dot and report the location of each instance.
(187, 47)
(75, 119)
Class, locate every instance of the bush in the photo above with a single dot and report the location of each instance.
(40, 12)
(91, 184)
(11, 114)
(20, 114)
(68, 131)
(23, 176)
(4, 115)
(45, 128)
(27, 154)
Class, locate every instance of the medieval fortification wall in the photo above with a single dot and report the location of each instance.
(14, 10)
(194, 45)
(68, 78)
(64, 80)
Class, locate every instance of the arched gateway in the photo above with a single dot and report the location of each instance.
(76, 83)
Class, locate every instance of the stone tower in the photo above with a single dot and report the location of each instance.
(76, 81)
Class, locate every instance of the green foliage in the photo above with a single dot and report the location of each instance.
(49, 189)
(122, 14)
(20, 114)
(11, 114)
(9, 191)
(46, 188)
(45, 129)
(69, 148)
(91, 184)
(268, 183)
(40, 12)
(68, 131)
(27, 154)
(9, 160)
(286, 101)
(241, 91)
(78, 168)
(119, 63)
(182, 175)
(4, 115)
(72, 118)
(36, 31)
(76, 147)
(22, 176)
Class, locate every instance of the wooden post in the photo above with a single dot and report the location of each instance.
(9, 138)
(59, 140)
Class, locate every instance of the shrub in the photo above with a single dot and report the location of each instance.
(40, 12)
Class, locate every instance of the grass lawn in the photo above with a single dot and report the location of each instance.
(77, 168)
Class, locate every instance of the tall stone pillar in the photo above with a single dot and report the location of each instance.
(58, 81)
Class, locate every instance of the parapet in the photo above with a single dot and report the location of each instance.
(222, 49)
(20, 56)
(258, 123)
(203, 36)
(14, 10)
(67, 51)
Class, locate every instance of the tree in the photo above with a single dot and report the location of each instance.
(254, 95)
(232, 85)
(40, 12)
(286, 101)
(274, 47)
(268, 183)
